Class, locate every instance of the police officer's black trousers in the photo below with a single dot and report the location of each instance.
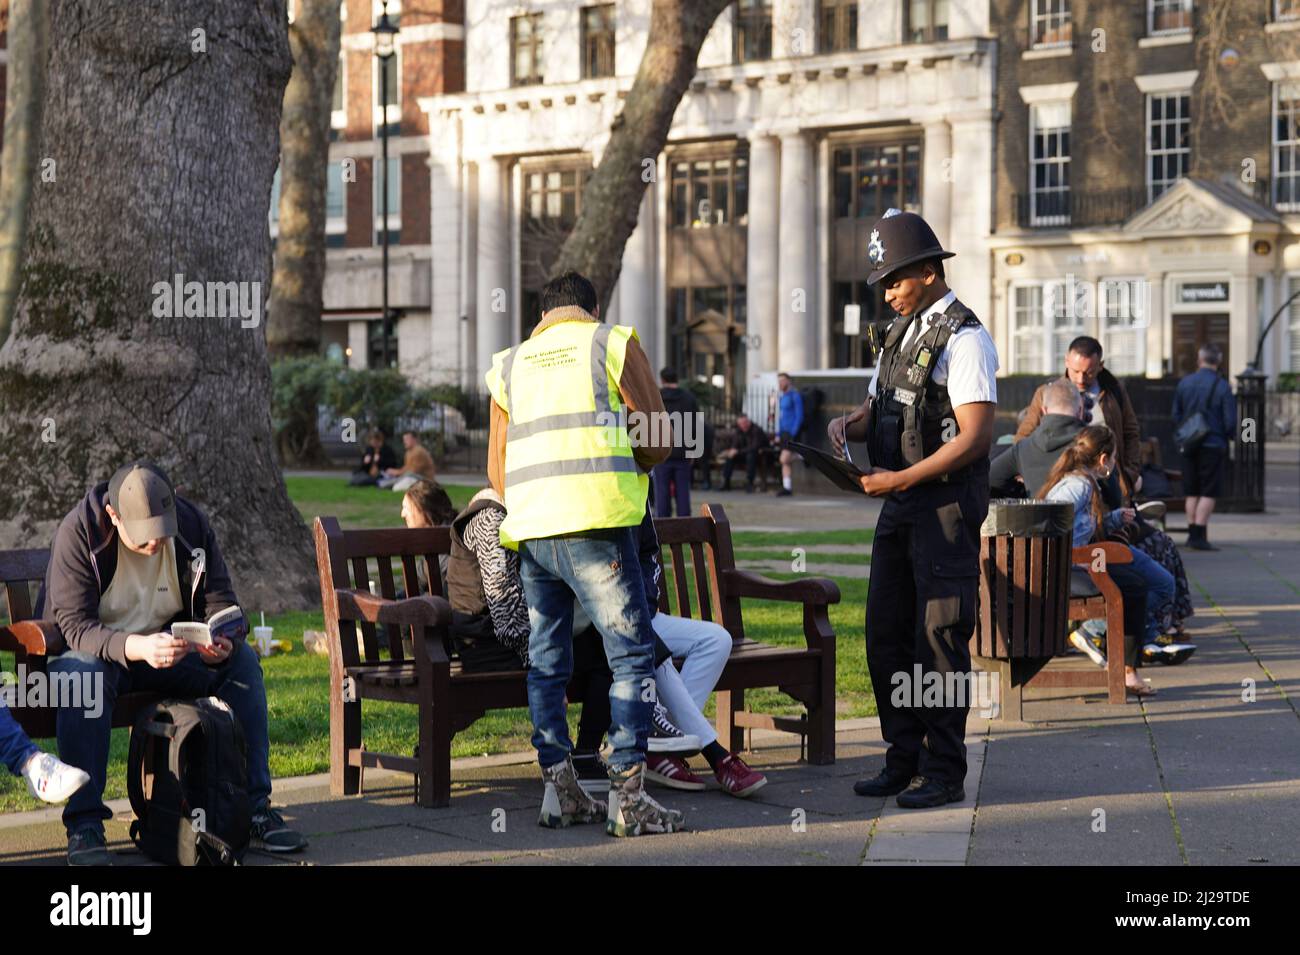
(921, 610)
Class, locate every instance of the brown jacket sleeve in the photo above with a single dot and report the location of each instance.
(1130, 459)
(1033, 415)
(496, 458)
(641, 394)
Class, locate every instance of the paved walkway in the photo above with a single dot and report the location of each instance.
(1207, 771)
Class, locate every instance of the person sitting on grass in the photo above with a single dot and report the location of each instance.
(417, 464)
(375, 462)
(1074, 479)
(131, 559)
(48, 777)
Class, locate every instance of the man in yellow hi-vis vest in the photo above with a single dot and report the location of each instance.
(575, 489)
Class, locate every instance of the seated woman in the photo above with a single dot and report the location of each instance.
(491, 629)
(426, 504)
(1074, 479)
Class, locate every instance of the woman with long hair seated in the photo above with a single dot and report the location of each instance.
(1074, 480)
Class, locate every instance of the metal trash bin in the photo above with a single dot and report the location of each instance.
(1025, 559)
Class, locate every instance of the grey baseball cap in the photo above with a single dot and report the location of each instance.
(145, 503)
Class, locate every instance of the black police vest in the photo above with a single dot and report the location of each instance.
(911, 412)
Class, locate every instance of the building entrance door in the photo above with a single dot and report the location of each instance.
(1193, 331)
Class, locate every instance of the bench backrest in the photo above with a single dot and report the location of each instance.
(695, 552)
(21, 574)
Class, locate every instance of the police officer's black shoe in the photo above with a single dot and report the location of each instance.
(923, 793)
(884, 783)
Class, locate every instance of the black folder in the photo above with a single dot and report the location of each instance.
(843, 474)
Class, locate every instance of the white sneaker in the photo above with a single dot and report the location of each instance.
(665, 737)
(1084, 645)
(52, 780)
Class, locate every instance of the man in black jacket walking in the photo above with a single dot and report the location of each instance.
(130, 560)
(681, 406)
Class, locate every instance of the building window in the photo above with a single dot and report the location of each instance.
(336, 222)
(1027, 352)
(552, 199)
(1293, 324)
(388, 109)
(1049, 163)
(1168, 16)
(375, 342)
(752, 31)
(837, 25)
(1124, 319)
(597, 41)
(927, 21)
(1286, 146)
(710, 192)
(394, 189)
(1050, 24)
(706, 325)
(1043, 323)
(1169, 148)
(526, 50)
(872, 178)
(1286, 10)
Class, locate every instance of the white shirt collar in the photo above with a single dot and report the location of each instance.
(939, 307)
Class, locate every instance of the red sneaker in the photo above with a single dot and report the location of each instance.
(738, 779)
(672, 772)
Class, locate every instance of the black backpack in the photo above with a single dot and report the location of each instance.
(187, 776)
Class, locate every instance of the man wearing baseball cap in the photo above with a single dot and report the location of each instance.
(928, 424)
(131, 559)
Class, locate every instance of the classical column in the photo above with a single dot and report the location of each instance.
(797, 282)
(636, 282)
(493, 267)
(940, 173)
(971, 217)
(762, 241)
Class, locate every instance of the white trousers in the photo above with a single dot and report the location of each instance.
(704, 647)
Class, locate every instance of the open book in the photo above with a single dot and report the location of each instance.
(228, 623)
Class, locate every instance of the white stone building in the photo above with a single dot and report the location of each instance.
(804, 122)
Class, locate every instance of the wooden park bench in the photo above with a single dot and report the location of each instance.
(33, 642)
(1016, 636)
(702, 563)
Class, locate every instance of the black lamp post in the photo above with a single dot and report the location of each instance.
(385, 32)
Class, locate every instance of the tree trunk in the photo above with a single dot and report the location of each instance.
(612, 200)
(298, 277)
(28, 44)
(293, 322)
(164, 121)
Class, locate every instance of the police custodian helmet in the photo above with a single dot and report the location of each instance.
(899, 239)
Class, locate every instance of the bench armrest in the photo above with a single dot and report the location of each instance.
(1114, 553)
(818, 591)
(417, 613)
(38, 638)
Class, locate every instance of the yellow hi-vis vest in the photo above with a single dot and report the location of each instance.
(569, 465)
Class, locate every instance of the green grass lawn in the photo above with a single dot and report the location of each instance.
(297, 683)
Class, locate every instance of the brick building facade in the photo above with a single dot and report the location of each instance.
(1147, 188)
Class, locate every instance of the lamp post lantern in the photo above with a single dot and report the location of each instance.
(385, 32)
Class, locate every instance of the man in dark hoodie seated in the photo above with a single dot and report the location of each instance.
(1024, 466)
(130, 560)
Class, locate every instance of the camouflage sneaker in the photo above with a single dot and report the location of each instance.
(564, 801)
(632, 812)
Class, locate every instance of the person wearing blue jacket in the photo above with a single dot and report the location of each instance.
(1206, 391)
(789, 425)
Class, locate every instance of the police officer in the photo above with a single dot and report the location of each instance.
(928, 424)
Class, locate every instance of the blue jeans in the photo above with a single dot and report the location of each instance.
(600, 568)
(15, 747)
(1145, 575)
(677, 471)
(84, 741)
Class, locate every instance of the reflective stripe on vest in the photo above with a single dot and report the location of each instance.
(569, 462)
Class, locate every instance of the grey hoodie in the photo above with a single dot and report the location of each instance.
(1033, 457)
